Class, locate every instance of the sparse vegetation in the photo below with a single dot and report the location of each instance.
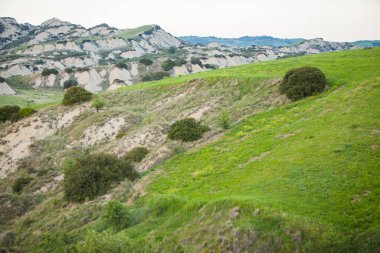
(75, 95)
(20, 183)
(224, 119)
(92, 175)
(303, 82)
(187, 130)
(146, 61)
(154, 76)
(136, 154)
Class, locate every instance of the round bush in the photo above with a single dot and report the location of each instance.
(74, 95)
(47, 72)
(303, 82)
(92, 175)
(9, 112)
(186, 130)
(116, 214)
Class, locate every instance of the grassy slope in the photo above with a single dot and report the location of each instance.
(37, 99)
(317, 188)
(320, 174)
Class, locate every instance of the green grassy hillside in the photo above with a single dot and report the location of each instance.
(287, 177)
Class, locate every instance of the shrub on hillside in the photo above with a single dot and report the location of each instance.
(171, 50)
(84, 69)
(116, 214)
(122, 65)
(92, 175)
(210, 66)
(146, 61)
(70, 83)
(196, 61)
(2, 79)
(303, 82)
(98, 104)
(47, 72)
(167, 65)
(136, 154)
(9, 112)
(74, 95)
(186, 130)
(69, 70)
(179, 62)
(154, 76)
(20, 183)
(26, 112)
(224, 119)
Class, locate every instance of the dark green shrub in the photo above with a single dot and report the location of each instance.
(116, 214)
(69, 83)
(47, 72)
(224, 119)
(154, 76)
(196, 61)
(186, 130)
(136, 154)
(220, 56)
(92, 175)
(39, 62)
(146, 61)
(9, 112)
(20, 183)
(303, 82)
(69, 70)
(82, 69)
(26, 112)
(74, 95)
(210, 66)
(2, 79)
(179, 62)
(167, 65)
(122, 65)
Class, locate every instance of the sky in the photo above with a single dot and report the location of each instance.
(333, 20)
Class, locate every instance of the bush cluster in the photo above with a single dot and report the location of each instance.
(69, 83)
(136, 154)
(20, 183)
(179, 62)
(84, 69)
(196, 61)
(146, 61)
(75, 94)
(154, 76)
(2, 79)
(47, 72)
(13, 113)
(167, 65)
(89, 176)
(187, 130)
(303, 82)
(69, 70)
(122, 65)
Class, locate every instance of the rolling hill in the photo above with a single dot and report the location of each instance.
(285, 177)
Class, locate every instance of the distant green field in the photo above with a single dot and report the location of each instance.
(133, 32)
(36, 98)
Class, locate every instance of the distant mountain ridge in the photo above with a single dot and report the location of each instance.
(245, 41)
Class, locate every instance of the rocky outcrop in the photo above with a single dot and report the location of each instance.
(6, 90)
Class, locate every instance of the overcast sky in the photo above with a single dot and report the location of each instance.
(334, 20)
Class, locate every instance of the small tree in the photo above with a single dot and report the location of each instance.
(224, 119)
(116, 214)
(167, 65)
(186, 130)
(98, 104)
(47, 72)
(74, 95)
(303, 82)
